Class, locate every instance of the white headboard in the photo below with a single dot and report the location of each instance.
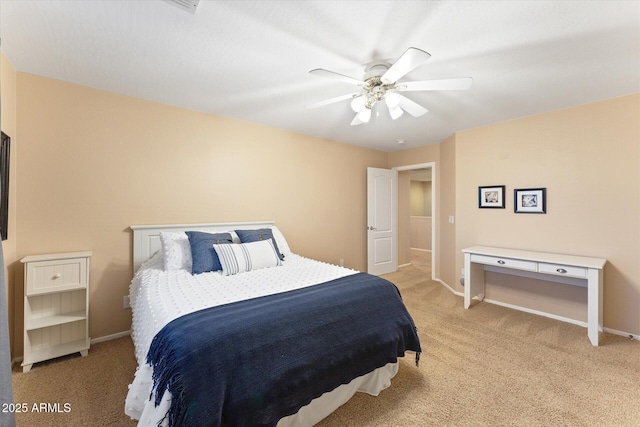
(146, 238)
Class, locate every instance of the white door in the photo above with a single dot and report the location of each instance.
(382, 221)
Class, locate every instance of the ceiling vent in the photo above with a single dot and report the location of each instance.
(188, 5)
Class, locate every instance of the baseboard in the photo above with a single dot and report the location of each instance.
(110, 337)
(539, 313)
(420, 249)
(623, 334)
(443, 283)
(542, 313)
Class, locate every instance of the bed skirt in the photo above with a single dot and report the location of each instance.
(139, 406)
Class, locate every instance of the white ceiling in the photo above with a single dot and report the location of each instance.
(250, 60)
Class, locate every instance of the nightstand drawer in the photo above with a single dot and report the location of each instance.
(54, 276)
(504, 262)
(563, 270)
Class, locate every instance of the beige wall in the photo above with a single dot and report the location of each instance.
(588, 158)
(404, 218)
(447, 231)
(419, 197)
(420, 236)
(8, 120)
(92, 163)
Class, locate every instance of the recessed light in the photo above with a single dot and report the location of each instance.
(401, 141)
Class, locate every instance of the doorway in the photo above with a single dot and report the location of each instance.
(417, 217)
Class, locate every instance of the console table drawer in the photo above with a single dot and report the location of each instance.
(562, 270)
(504, 262)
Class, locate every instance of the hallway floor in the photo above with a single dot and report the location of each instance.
(421, 259)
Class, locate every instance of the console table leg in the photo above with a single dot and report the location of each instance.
(594, 304)
(473, 281)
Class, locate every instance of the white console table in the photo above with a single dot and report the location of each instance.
(544, 266)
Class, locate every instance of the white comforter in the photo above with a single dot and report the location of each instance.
(159, 296)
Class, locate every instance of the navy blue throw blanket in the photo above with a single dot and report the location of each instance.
(253, 362)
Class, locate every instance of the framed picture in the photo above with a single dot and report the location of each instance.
(491, 197)
(530, 200)
(5, 144)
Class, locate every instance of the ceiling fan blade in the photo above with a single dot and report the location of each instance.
(411, 107)
(332, 100)
(336, 76)
(462, 83)
(407, 62)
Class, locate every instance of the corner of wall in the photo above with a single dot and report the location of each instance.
(447, 246)
(8, 102)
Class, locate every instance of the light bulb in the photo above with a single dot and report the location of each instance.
(364, 115)
(395, 112)
(358, 103)
(391, 99)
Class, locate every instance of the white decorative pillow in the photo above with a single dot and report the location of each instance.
(280, 240)
(238, 258)
(176, 250)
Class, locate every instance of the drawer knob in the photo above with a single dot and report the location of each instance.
(500, 261)
(57, 276)
(561, 270)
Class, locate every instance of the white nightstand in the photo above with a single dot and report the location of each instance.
(56, 306)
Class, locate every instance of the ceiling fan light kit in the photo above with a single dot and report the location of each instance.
(395, 112)
(365, 114)
(381, 83)
(358, 103)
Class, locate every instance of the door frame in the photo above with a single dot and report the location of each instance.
(434, 211)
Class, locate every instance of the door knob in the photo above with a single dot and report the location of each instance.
(371, 227)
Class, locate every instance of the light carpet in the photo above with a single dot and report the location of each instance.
(487, 366)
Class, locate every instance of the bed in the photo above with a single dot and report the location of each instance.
(173, 311)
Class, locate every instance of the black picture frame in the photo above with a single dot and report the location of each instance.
(491, 197)
(530, 200)
(5, 150)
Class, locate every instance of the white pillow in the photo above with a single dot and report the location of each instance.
(238, 258)
(176, 250)
(280, 240)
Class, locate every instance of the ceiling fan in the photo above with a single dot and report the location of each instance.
(380, 83)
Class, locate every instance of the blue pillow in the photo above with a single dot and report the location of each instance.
(204, 257)
(247, 236)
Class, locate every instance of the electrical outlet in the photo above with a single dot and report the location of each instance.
(126, 302)
(341, 262)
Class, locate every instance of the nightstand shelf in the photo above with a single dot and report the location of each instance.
(57, 319)
(51, 352)
(56, 306)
